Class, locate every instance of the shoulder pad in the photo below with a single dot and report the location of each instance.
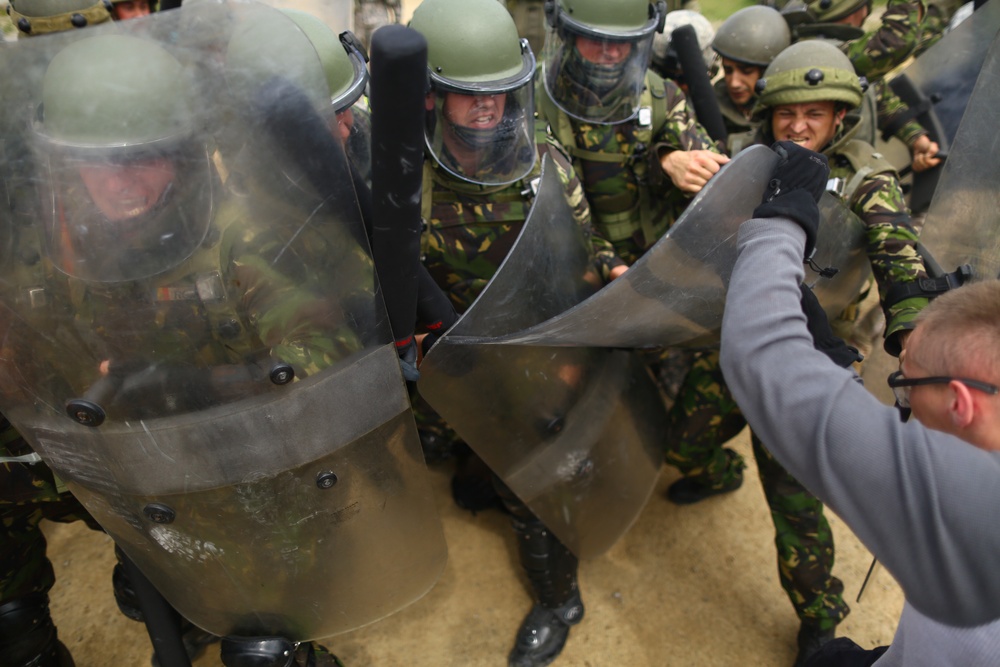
(861, 155)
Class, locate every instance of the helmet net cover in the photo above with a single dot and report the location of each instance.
(596, 72)
(809, 71)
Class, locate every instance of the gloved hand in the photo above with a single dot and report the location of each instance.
(823, 337)
(798, 181)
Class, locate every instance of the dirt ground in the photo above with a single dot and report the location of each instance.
(693, 585)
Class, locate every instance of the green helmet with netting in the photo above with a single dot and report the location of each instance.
(810, 71)
(596, 55)
(42, 17)
(480, 110)
(126, 172)
(753, 35)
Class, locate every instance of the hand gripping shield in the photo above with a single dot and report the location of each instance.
(573, 431)
(675, 293)
(235, 419)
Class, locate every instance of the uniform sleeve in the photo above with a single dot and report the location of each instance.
(890, 242)
(879, 51)
(605, 256)
(889, 107)
(923, 502)
(681, 131)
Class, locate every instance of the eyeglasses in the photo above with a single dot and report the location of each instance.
(901, 385)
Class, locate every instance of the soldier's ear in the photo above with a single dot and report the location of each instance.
(838, 116)
(429, 102)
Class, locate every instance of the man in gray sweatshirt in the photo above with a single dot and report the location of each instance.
(921, 499)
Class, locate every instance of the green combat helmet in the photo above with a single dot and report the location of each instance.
(753, 36)
(128, 182)
(42, 17)
(480, 111)
(665, 60)
(809, 71)
(596, 55)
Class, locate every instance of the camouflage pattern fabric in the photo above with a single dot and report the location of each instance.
(939, 14)
(890, 106)
(632, 200)
(879, 51)
(705, 416)
(28, 494)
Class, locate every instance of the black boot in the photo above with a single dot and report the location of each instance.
(28, 637)
(551, 570)
(811, 638)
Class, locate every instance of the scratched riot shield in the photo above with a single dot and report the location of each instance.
(575, 432)
(207, 365)
(964, 217)
(674, 295)
(937, 86)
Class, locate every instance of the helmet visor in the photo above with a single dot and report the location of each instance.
(112, 217)
(483, 133)
(596, 77)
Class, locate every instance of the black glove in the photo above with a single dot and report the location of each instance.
(798, 181)
(823, 337)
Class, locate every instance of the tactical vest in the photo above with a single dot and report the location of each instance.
(863, 162)
(618, 217)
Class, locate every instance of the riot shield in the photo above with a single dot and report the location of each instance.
(938, 84)
(573, 431)
(206, 361)
(962, 222)
(674, 295)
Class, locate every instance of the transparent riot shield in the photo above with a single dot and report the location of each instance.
(202, 354)
(938, 85)
(575, 432)
(674, 295)
(964, 216)
(338, 14)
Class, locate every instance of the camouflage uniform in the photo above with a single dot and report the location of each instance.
(632, 200)
(939, 15)
(706, 416)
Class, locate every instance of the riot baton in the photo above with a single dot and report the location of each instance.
(702, 95)
(398, 88)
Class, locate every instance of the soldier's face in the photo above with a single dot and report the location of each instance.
(131, 10)
(809, 124)
(603, 52)
(479, 112)
(125, 191)
(740, 80)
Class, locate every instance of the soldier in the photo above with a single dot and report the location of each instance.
(873, 55)
(805, 96)
(634, 140)
(482, 158)
(174, 295)
(43, 17)
(746, 42)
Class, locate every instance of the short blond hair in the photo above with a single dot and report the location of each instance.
(960, 332)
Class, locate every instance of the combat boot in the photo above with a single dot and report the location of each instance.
(694, 489)
(28, 637)
(543, 633)
(810, 639)
(551, 570)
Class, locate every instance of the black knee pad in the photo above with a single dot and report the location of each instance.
(27, 633)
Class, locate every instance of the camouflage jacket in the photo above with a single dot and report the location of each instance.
(874, 53)
(259, 289)
(632, 200)
(939, 15)
(870, 187)
(469, 229)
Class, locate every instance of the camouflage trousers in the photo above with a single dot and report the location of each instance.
(703, 418)
(28, 494)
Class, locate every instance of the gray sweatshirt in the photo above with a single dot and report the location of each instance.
(925, 503)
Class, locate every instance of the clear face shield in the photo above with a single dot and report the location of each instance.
(484, 132)
(116, 215)
(349, 117)
(597, 76)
